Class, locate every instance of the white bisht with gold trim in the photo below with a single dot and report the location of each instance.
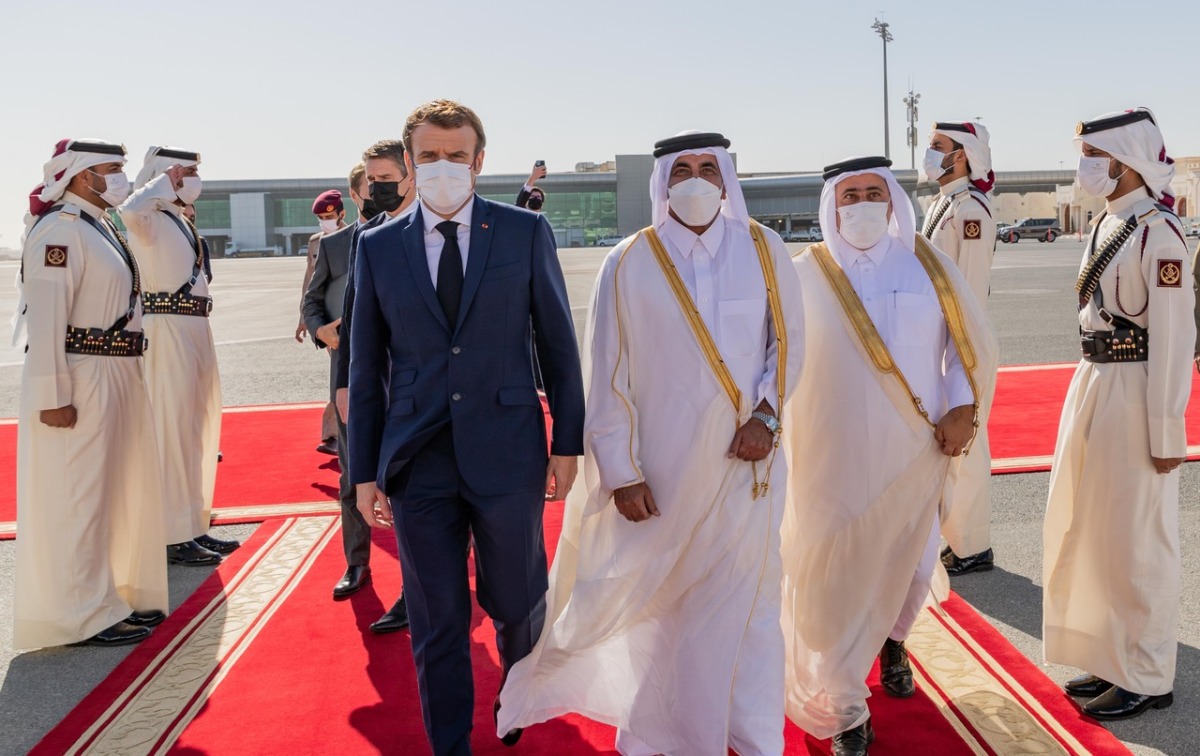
(669, 628)
(865, 473)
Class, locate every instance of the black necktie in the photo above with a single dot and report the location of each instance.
(450, 272)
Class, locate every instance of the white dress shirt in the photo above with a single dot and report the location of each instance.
(434, 241)
(722, 273)
(900, 298)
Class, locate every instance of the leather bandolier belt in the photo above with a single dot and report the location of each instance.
(1127, 341)
(179, 303)
(105, 343)
(182, 301)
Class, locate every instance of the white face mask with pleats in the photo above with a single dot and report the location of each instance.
(444, 186)
(116, 187)
(328, 225)
(190, 191)
(696, 201)
(863, 224)
(1093, 177)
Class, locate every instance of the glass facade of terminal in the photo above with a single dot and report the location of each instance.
(578, 218)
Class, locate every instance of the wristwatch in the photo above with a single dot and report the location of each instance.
(770, 421)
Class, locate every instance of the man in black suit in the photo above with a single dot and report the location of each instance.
(382, 189)
(446, 428)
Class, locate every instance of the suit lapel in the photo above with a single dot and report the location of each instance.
(414, 249)
(481, 244)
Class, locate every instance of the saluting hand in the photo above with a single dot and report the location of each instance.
(175, 175)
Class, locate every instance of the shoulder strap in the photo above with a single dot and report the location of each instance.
(193, 237)
(981, 198)
(114, 237)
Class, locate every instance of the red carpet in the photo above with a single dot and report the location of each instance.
(271, 467)
(1025, 414)
(260, 661)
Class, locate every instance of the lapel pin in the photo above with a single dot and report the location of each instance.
(483, 225)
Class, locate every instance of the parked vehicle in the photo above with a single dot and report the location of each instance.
(609, 241)
(1042, 229)
(802, 235)
(233, 249)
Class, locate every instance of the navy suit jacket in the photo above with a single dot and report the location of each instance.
(412, 372)
(342, 371)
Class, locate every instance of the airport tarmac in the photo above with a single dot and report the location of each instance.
(1032, 306)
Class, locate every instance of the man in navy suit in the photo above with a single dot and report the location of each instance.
(447, 433)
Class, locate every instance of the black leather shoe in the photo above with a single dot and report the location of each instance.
(191, 554)
(148, 618)
(895, 674)
(395, 619)
(329, 446)
(1086, 686)
(956, 565)
(357, 576)
(120, 634)
(512, 736)
(854, 742)
(218, 545)
(1118, 703)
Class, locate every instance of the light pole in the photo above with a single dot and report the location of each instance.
(881, 28)
(911, 101)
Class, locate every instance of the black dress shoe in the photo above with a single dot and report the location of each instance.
(895, 673)
(956, 565)
(512, 736)
(854, 742)
(1118, 703)
(395, 619)
(218, 545)
(148, 618)
(191, 554)
(329, 446)
(120, 634)
(357, 576)
(1086, 686)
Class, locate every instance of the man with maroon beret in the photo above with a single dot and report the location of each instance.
(331, 215)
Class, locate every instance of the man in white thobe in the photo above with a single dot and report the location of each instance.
(663, 606)
(89, 548)
(181, 368)
(897, 355)
(960, 224)
(1111, 572)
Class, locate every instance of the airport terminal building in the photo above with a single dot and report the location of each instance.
(274, 216)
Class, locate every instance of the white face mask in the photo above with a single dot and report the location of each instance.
(190, 191)
(1093, 176)
(863, 224)
(933, 164)
(696, 201)
(116, 187)
(329, 226)
(444, 186)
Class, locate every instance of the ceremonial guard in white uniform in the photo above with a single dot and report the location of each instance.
(1111, 572)
(181, 370)
(961, 225)
(663, 609)
(897, 356)
(89, 548)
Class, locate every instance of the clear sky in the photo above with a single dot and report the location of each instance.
(298, 89)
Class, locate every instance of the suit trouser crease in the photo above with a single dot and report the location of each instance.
(436, 514)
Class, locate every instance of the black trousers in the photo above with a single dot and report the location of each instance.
(356, 533)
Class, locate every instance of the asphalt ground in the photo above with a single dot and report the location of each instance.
(1032, 307)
